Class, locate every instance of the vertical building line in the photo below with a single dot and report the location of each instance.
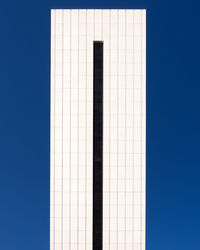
(117, 121)
(133, 141)
(109, 114)
(102, 24)
(51, 140)
(94, 25)
(70, 139)
(62, 140)
(102, 126)
(125, 135)
(141, 144)
(78, 148)
(144, 119)
(97, 145)
(54, 114)
(86, 144)
(93, 128)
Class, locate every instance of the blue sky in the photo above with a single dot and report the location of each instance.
(173, 121)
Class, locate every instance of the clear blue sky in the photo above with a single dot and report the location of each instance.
(173, 121)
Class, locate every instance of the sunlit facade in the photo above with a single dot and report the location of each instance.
(104, 51)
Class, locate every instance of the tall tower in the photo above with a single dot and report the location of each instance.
(98, 129)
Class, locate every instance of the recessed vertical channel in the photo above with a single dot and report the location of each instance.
(97, 145)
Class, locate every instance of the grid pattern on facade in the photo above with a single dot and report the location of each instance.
(123, 33)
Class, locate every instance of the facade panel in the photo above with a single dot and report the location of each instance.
(123, 34)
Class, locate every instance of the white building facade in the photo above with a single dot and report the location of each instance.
(122, 34)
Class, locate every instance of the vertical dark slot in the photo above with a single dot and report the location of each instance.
(98, 145)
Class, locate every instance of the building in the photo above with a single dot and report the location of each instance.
(98, 129)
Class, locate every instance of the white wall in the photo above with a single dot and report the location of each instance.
(124, 143)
